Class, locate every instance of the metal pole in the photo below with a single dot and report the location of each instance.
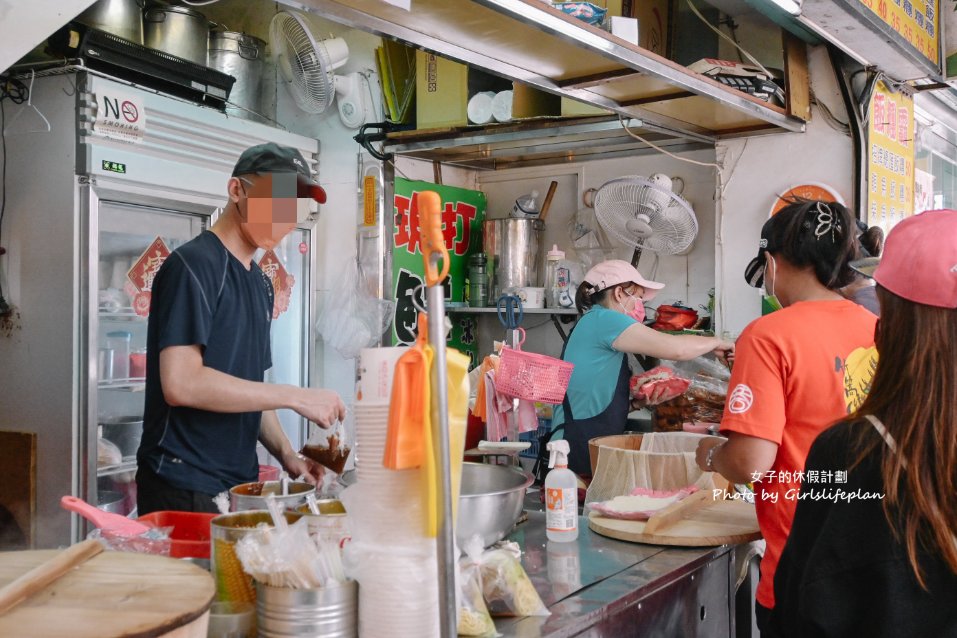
(440, 425)
(434, 251)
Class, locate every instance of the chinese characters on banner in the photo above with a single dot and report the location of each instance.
(462, 214)
(141, 273)
(916, 21)
(282, 282)
(890, 161)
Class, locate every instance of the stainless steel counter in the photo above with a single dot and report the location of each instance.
(599, 586)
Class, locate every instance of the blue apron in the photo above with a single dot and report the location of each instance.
(612, 420)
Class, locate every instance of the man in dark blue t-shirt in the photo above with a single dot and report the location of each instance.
(208, 347)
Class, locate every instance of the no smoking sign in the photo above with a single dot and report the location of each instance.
(130, 113)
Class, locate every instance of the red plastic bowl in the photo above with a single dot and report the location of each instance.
(190, 535)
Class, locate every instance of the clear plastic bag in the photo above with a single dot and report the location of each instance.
(507, 588)
(704, 400)
(352, 319)
(473, 616)
(155, 540)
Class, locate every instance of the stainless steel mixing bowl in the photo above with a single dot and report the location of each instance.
(490, 501)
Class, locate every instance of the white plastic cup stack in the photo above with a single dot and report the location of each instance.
(480, 107)
(376, 370)
(502, 106)
(389, 555)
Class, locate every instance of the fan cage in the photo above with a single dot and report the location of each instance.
(673, 222)
(305, 63)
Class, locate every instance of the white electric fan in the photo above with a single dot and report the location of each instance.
(309, 66)
(646, 214)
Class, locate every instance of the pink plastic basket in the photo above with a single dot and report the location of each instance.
(531, 376)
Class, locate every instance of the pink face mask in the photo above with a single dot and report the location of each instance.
(638, 311)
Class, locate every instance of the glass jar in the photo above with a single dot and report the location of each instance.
(119, 342)
(478, 281)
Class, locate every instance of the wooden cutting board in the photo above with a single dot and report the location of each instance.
(112, 595)
(697, 521)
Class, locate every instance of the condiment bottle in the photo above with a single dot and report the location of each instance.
(477, 286)
(561, 495)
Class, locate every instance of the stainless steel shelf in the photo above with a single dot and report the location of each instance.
(533, 43)
(124, 314)
(527, 311)
(125, 385)
(535, 143)
(128, 465)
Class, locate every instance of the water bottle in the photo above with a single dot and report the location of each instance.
(526, 206)
(561, 495)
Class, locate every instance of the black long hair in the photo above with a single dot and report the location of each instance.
(819, 234)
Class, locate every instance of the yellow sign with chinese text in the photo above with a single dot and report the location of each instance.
(890, 157)
(917, 21)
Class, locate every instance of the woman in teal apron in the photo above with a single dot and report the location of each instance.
(611, 302)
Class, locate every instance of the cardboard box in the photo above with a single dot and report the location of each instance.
(574, 108)
(442, 94)
(653, 24)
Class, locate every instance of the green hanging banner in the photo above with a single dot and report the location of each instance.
(462, 217)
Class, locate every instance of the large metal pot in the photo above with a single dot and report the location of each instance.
(178, 31)
(252, 496)
(490, 501)
(514, 249)
(241, 56)
(123, 18)
(125, 432)
(113, 502)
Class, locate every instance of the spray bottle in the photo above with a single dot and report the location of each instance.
(561, 495)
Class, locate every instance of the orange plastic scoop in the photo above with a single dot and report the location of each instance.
(410, 405)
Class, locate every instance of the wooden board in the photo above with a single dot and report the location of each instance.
(113, 595)
(711, 523)
(18, 490)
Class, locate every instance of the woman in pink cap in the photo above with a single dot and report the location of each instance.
(872, 550)
(612, 302)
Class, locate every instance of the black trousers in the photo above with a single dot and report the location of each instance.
(153, 494)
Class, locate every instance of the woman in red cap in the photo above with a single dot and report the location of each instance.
(612, 302)
(797, 370)
(872, 550)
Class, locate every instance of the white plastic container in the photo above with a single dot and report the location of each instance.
(561, 496)
(119, 342)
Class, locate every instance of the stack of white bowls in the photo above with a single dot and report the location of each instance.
(389, 555)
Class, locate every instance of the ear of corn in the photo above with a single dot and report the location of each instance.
(232, 583)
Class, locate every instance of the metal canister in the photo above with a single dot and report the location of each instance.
(328, 612)
(514, 250)
(241, 56)
(232, 582)
(176, 30)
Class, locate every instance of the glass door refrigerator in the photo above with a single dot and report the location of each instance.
(90, 217)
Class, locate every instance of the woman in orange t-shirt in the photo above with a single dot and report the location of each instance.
(797, 370)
